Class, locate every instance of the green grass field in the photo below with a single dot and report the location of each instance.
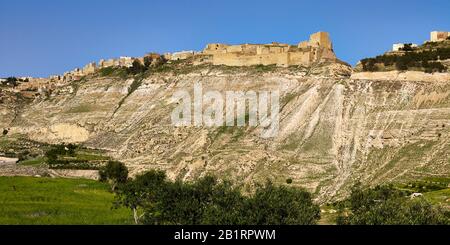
(34, 161)
(28, 200)
(441, 197)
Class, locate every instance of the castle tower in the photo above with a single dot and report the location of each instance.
(321, 39)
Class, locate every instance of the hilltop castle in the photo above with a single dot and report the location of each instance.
(317, 49)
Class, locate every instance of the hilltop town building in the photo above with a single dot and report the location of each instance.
(435, 36)
(438, 36)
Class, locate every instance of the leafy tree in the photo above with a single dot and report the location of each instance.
(141, 194)
(156, 200)
(5, 131)
(60, 150)
(114, 172)
(181, 203)
(70, 149)
(384, 205)
(227, 206)
(137, 67)
(407, 47)
(280, 205)
(12, 80)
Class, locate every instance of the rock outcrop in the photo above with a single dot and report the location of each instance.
(334, 130)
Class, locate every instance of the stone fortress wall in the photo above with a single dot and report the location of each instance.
(318, 48)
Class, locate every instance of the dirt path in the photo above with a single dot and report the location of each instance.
(5, 160)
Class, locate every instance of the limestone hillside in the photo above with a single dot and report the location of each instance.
(334, 130)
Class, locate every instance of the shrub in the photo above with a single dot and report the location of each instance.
(431, 67)
(73, 164)
(5, 131)
(401, 65)
(369, 64)
(106, 71)
(121, 72)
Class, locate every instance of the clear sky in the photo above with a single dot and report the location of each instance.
(45, 37)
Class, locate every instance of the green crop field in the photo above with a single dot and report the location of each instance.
(28, 200)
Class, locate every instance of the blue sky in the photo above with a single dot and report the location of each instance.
(40, 38)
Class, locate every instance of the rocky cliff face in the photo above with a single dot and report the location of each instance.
(334, 130)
